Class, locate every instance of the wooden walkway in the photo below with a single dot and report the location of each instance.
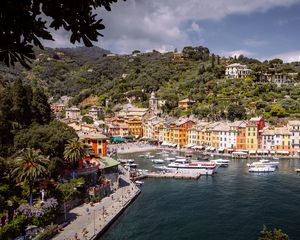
(194, 176)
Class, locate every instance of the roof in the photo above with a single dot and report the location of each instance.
(186, 101)
(236, 65)
(223, 126)
(255, 119)
(109, 162)
(294, 123)
(236, 123)
(91, 135)
(73, 109)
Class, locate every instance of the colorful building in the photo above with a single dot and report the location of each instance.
(294, 128)
(94, 142)
(185, 103)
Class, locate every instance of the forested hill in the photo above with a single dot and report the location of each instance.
(83, 73)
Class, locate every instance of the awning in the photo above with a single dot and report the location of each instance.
(189, 145)
(164, 144)
(174, 145)
(272, 152)
(252, 151)
(221, 149)
(198, 147)
(212, 148)
(283, 152)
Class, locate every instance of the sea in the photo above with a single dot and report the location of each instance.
(234, 204)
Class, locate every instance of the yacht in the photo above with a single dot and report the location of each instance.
(158, 161)
(139, 183)
(185, 166)
(170, 159)
(262, 168)
(220, 162)
(264, 162)
(132, 165)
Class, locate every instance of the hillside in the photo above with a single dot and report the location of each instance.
(200, 76)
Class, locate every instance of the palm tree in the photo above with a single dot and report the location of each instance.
(29, 166)
(74, 151)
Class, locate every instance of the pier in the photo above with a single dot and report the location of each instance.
(91, 222)
(193, 176)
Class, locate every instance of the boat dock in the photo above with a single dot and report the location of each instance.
(193, 176)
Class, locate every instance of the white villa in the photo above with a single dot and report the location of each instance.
(237, 70)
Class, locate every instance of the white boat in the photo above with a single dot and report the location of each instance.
(262, 169)
(149, 156)
(264, 162)
(170, 159)
(139, 183)
(158, 161)
(220, 162)
(180, 157)
(126, 161)
(185, 166)
(297, 170)
(132, 165)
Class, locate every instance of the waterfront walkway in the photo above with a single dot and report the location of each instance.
(92, 221)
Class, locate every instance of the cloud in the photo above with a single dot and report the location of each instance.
(293, 56)
(237, 53)
(253, 42)
(157, 24)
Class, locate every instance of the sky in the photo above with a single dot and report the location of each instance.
(262, 29)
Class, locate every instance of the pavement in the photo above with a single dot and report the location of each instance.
(90, 220)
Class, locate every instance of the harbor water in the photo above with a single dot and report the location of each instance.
(234, 204)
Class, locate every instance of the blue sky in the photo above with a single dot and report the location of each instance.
(261, 29)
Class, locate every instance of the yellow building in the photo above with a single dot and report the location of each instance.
(251, 133)
(135, 127)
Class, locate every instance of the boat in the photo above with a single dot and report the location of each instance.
(170, 159)
(139, 183)
(180, 157)
(220, 162)
(158, 161)
(149, 156)
(262, 169)
(264, 162)
(132, 165)
(185, 166)
(239, 154)
(297, 170)
(123, 161)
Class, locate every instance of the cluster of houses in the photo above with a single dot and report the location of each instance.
(254, 135)
(237, 70)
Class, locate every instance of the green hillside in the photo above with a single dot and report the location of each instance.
(199, 76)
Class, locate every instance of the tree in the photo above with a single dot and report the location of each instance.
(50, 139)
(88, 119)
(29, 166)
(41, 110)
(23, 25)
(69, 189)
(276, 234)
(20, 109)
(74, 151)
(236, 112)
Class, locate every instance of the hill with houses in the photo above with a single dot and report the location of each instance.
(218, 87)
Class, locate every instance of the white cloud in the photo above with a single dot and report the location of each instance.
(157, 24)
(293, 56)
(237, 53)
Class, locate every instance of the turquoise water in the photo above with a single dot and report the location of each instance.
(233, 204)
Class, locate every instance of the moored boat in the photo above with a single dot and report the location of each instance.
(158, 161)
(262, 168)
(185, 166)
(220, 162)
(264, 162)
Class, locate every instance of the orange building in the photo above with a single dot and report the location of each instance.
(185, 103)
(241, 137)
(94, 142)
(135, 127)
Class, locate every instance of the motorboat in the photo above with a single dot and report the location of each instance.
(149, 156)
(139, 183)
(297, 170)
(170, 159)
(264, 162)
(132, 165)
(158, 161)
(220, 162)
(123, 161)
(262, 169)
(185, 166)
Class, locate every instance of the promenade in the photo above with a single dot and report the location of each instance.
(131, 147)
(92, 221)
